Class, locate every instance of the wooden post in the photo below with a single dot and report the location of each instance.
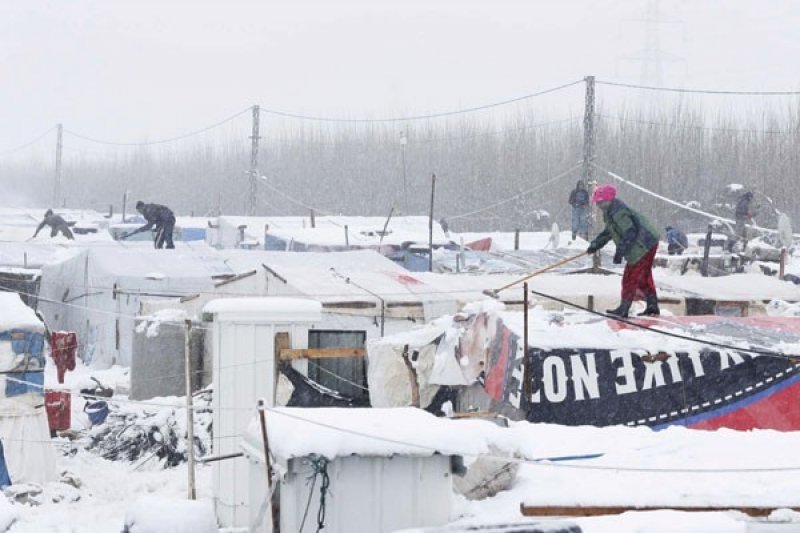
(706, 252)
(430, 225)
(526, 369)
(187, 348)
(516, 239)
(267, 460)
(313, 220)
(346, 237)
(783, 263)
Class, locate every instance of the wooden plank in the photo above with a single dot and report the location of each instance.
(600, 510)
(321, 353)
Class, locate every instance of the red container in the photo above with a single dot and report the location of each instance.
(58, 405)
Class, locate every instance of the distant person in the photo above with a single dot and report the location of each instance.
(160, 219)
(57, 225)
(579, 200)
(637, 242)
(676, 241)
(744, 217)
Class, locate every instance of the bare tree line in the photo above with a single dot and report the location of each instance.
(360, 169)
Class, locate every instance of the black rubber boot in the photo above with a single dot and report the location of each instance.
(621, 310)
(652, 306)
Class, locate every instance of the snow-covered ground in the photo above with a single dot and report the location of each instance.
(635, 466)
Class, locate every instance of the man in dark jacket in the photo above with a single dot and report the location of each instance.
(637, 242)
(579, 200)
(744, 216)
(57, 224)
(160, 218)
(676, 241)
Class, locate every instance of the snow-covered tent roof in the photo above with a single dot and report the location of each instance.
(324, 276)
(340, 432)
(329, 231)
(14, 314)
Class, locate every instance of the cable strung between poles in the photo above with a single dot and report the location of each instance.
(698, 91)
(21, 146)
(518, 195)
(697, 128)
(416, 117)
(162, 141)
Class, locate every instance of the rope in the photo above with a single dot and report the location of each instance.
(699, 91)
(417, 117)
(756, 351)
(518, 195)
(544, 461)
(162, 141)
(675, 203)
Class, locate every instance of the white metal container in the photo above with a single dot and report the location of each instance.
(379, 479)
(369, 494)
(244, 371)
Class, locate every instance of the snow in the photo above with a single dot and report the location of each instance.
(15, 314)
(159, 515)
(272, 305)
(638, 466)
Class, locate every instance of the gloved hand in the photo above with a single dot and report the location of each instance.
(591, 249)
(618, 255)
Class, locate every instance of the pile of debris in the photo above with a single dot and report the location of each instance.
(157, 431)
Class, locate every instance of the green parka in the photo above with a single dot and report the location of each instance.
(633, 234)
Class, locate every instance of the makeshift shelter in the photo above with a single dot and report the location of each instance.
(98, 292)
(248, 334)
(389, 469)
(703, 371)
(28, 456)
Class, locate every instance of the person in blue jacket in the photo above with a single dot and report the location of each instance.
(579, 200)
(676, 241)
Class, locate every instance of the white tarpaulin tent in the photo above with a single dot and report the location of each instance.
(29, 456)
(97, 291)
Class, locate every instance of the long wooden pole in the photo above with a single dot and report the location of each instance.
(540, 271)
(187, 348)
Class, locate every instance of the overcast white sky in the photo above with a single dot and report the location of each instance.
(130, 70)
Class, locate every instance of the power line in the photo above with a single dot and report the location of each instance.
(518, 195)
(699, 91)
(704, 128)
(162, 141)
(20, 147)
(417, 117)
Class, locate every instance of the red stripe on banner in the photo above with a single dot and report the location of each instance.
(780, 411)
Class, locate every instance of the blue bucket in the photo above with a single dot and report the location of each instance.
(97, 411)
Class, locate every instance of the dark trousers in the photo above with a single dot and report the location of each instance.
(164, 234)
(674, 248)
(637, 279)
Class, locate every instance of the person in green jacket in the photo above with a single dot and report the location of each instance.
(637, 241)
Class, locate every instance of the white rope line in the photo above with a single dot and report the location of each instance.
(676, 203)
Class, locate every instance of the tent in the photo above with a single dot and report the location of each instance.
(28, 456)
(97, 292)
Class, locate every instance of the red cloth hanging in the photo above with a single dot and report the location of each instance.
(63, 349)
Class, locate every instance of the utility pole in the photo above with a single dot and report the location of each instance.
(588, 133)
(251, 199)
(588, 158)
(57, 185)
(187, 357)
(403, 143)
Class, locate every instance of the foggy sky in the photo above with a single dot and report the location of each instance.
(134, 70)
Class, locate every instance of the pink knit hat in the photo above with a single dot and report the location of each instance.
(604, 193)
